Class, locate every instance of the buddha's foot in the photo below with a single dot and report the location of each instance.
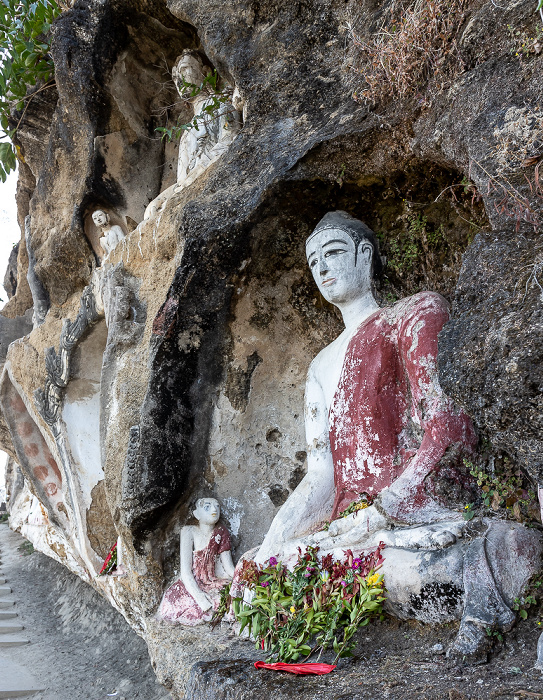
(471, 645)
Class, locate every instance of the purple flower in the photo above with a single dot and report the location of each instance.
(307, 574)
(265, 584)
(273, 561)
(344, 583)
(356, 563)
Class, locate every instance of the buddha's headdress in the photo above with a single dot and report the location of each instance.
(357, 230)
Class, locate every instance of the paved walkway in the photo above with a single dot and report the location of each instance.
(59, 640)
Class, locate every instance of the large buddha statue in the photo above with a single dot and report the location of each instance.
(378, 423)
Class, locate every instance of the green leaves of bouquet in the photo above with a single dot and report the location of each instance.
(316, 606)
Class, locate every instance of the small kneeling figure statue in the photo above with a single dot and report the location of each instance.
(205, 566)
(111, 235)
(378, 423)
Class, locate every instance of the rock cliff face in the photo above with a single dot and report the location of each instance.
(179, 362)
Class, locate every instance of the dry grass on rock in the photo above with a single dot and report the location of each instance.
(414, 53)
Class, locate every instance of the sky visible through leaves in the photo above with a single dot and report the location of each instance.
(10, 232)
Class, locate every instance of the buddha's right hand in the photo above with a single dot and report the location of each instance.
(359, 524)
(342, 525)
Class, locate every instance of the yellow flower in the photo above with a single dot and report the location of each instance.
(292, 609)
(372, 580)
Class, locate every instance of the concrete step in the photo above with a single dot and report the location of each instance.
(7, 615)
(8, 627)
(5, 590)
(2, 580)
(6, 603)
(13, 640)
(15, 681)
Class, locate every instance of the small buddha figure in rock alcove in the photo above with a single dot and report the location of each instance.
(111, 235)
(205, 566)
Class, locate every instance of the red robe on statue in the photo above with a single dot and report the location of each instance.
(388, 405)
(177, 604)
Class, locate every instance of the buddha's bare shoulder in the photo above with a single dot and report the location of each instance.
(328, 356)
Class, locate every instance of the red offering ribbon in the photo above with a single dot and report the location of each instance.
(298, 669)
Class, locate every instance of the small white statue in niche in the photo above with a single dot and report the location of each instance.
(205, 566)
(199, 147)
(111, 235)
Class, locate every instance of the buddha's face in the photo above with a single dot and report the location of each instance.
(190, 69)
(339, 273)
(100, 218)
(208, 511)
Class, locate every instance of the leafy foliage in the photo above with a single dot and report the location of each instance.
(110, 563)
(216, 98)
(317, 605)
(24, 62)
(26, 548)
(505, 490)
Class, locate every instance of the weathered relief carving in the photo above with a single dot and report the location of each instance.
(49, 399)
(378, 424)
(111, 235)
(205, 566)
(39, 293)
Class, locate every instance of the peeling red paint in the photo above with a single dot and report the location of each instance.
(32, 450)
(25, 429)
(177, 604)
(164, 322)
(41, 473)
(389, 410)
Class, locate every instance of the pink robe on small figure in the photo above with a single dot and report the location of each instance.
(177, 604)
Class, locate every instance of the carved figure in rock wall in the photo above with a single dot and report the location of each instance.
(199, 147)
(111, 235)
(205, 566)
(378, 423)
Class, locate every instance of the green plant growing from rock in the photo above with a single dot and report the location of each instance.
(504, 490)
(24, 63)
(26, 548)
(217, 97)
(316, 606)
(418, 240)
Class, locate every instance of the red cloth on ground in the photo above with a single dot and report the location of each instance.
(298, 669)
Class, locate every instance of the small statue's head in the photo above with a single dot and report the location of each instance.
(207, 511)
(100, 218)
(190, 69)
(343, 255)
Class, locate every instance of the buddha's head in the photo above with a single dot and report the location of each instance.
(207, 511)
(100, 218)
(190, 69)
(343, 255)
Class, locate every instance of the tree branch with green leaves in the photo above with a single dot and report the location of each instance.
(25, 28)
